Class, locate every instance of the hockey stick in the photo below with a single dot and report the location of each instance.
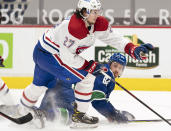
(152, 120)
(136, 98)
(20, 120)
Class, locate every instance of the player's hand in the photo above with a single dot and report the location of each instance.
(1, 62)
(93, 67)
(121, 117)
(138, 52)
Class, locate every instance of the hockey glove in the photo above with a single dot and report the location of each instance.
(137, 52)
(121, 117)
(1, 62)
(93, 67)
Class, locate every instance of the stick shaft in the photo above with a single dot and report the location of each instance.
(20, 120)
(152, 120)
(143, 103)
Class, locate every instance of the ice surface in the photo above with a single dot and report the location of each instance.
(159, 101)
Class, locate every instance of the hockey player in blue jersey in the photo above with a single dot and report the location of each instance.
(63, 101)
(103, 87)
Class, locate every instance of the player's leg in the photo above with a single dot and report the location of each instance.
(83, 92)
(31, 95)
(68, 75)
(64, 98)
(54, 65)
(7, 104)
(41, 82)
(58, 103)
(5, 96)
(47, 69)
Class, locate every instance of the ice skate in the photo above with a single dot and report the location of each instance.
(82, 120)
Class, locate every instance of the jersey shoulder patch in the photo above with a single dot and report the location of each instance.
(101, 24)
(77, 27)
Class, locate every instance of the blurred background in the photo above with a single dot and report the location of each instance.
(141, 21)
(118, 12)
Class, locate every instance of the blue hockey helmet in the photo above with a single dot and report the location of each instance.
(119, 58)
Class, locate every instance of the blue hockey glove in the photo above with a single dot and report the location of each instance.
(1, 62)
(121, 117)
(137, 52)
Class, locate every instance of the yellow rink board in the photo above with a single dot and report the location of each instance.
(153, 84)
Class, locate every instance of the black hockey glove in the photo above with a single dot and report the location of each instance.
(93, 67)
(121, 117)
(1, 62)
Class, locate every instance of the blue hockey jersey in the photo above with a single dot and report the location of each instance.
(103, 87)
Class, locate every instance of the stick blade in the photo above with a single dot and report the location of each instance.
(20, 120)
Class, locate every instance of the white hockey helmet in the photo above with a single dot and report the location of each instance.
(89, 5)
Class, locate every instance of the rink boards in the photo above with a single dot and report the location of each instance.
(143, 84)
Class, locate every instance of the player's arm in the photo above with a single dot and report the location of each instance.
(106, 110)
(100, 100)
(100, 97)
(111, 37)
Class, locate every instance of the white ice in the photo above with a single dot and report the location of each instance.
(159, 101)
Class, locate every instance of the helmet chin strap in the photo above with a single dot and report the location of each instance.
(87, 23)
(85, 20)
(84, 17)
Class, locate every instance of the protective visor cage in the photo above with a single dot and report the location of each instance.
(90, 5)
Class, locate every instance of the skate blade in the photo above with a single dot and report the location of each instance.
(74, 125)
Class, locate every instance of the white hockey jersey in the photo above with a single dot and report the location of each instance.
(68, 39)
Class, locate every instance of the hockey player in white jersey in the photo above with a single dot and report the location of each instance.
(56, 55)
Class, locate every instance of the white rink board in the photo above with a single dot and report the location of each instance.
(25, 39)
